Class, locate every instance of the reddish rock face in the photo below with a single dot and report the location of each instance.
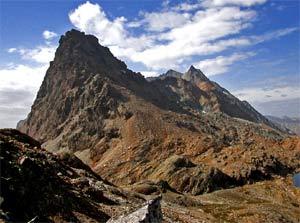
(124, 126)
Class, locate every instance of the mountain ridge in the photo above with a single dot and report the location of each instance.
(124, 126)
(211, 91)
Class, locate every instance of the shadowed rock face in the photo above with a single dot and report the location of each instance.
(128, 129)
(36, 184)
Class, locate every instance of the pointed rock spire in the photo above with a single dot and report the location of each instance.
(192, 69)
(194, 75)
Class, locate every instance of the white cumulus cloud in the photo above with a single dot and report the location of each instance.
(92, 19)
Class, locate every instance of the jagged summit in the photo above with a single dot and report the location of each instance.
(83, 84)
(194, 75)
(76, 35)
(169, 73)
(198, 92)
(192, 69)
(85, 50)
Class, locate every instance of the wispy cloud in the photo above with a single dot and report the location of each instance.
(221, 64)
(171, 19)
(273, 35)
(176, 33)
(216, 3)
(43, 53)
(11, 50)
(262, 95)
(219, 3)
(165, 3)
(187, 6)
(289, 107)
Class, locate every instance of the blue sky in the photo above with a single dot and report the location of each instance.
(250, 47)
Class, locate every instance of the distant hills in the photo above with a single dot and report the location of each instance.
(293, 124)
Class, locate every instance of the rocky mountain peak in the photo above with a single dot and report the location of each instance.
(192, 69)
(81, 50)
(80, 76)
(78, 59)
(171, 73)
(75, 35)
(194, 75)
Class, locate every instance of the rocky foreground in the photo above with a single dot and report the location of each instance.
(38, 186)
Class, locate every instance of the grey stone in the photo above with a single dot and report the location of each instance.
(150, 212)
